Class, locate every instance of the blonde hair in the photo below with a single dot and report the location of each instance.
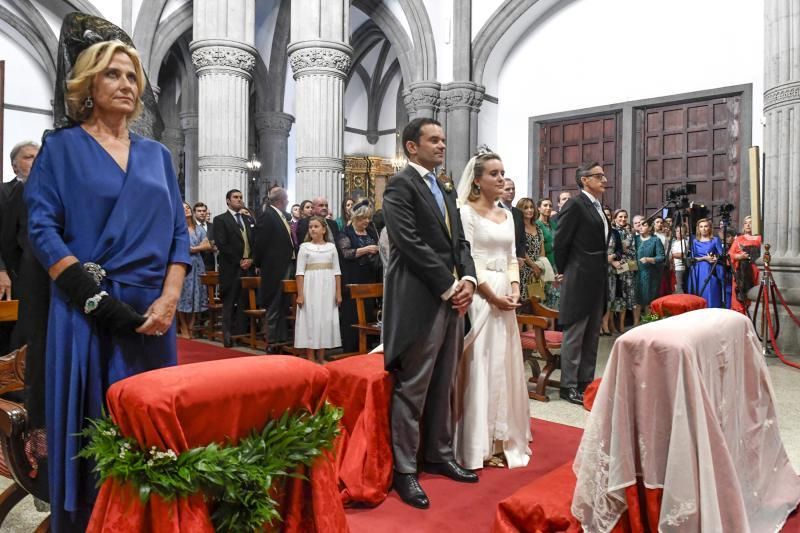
(189, 219)
(697, 227)
(91, 62)
(360, 209)
(480, 164)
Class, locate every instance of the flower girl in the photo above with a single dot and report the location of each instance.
(319, 293)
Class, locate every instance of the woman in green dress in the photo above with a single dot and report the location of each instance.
(548, 229)
(650, 254)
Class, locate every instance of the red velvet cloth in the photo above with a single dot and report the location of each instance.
(193, 405)
(552, 338)
(590, 394)
(676, 304)
(543, 506)
(362, 387)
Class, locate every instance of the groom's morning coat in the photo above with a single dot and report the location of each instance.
(424, 256)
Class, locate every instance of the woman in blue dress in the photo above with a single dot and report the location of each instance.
(706, 248)
(105, 219)
(194, 296)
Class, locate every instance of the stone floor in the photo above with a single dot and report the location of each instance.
(24, 517)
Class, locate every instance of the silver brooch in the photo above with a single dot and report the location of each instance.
(96, 271)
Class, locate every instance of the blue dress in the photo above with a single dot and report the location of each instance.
(194, 295)
(81, 203)
(699, 273)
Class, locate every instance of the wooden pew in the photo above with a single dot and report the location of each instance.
(360, 293)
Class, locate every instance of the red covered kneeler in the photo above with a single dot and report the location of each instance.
(676, 304)
(362, 387)
(552, 338)
(193, 405)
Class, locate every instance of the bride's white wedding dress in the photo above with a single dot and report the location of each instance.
(491, 406)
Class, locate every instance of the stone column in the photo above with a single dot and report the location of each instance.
(320, 57)
(173, 140)
(422, 99)
(273, 134)
(782, 151)
(461, 102)
(225, 59)
(189, 127)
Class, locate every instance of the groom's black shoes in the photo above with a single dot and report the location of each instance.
(572, 395)
(409, 490)
(452, 470)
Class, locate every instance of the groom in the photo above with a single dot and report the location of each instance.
(428, 288)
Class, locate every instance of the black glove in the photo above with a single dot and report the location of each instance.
(111, 313)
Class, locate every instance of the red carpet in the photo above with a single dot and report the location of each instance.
(455, 507)
(198, 352)
(465, 507)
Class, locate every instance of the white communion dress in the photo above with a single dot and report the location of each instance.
(317, 322)
(491, 406)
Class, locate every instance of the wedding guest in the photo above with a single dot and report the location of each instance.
(492, 411)
(547, 225)
(624, 297)
(295, 212)
(563, 197)
(361, 263)
(745, 271)
(117, 277)
(194, 296)
(613, 258)
(680, 247)
(706, 278)
(202, 219)
(662, 231)
(344, 218)
(650, 254)
(580, 250)
(319, 293)
(530, 272)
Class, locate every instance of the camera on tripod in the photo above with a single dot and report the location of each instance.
(680, 195)
(725, 210)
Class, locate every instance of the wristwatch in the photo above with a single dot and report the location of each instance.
(92, 303)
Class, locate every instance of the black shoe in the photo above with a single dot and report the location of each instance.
(452, 470)
(410, 491)
(227, 342)
(572, 395)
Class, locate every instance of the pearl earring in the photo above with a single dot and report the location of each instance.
(88, 103)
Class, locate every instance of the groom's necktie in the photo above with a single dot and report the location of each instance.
(430, 178)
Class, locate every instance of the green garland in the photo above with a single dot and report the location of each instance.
(238, 480)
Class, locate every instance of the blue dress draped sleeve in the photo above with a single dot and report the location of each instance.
(131, 222)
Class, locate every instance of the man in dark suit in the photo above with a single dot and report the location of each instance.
(580, 251)
(233, 235)
(274, 256)
(22, 156)
(428, 288)
(506, 202)
(563, 197)
(320, 208)
(201, 218)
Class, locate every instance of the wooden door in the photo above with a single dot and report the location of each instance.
(566, 144)
(695, 142)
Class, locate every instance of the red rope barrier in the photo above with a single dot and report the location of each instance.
(780, 297)
(772, 332)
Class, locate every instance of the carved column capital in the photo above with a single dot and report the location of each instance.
(308, 58)
(189, 120)
(273, 122)
(212, 55)
(422, 98)
(783, 95)
(462, 94)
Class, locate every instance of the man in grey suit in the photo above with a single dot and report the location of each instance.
(429, 285)
(580, 250)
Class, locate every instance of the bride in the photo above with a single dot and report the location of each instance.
(491, 409)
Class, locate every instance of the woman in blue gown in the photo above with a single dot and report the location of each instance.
(103, 195)
(706, 249)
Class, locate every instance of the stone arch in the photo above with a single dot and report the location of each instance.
(144, 33)
(166, 34)
(41, 43)
(422, 36)
(363, 40)
(410, 65)
(505, 27)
